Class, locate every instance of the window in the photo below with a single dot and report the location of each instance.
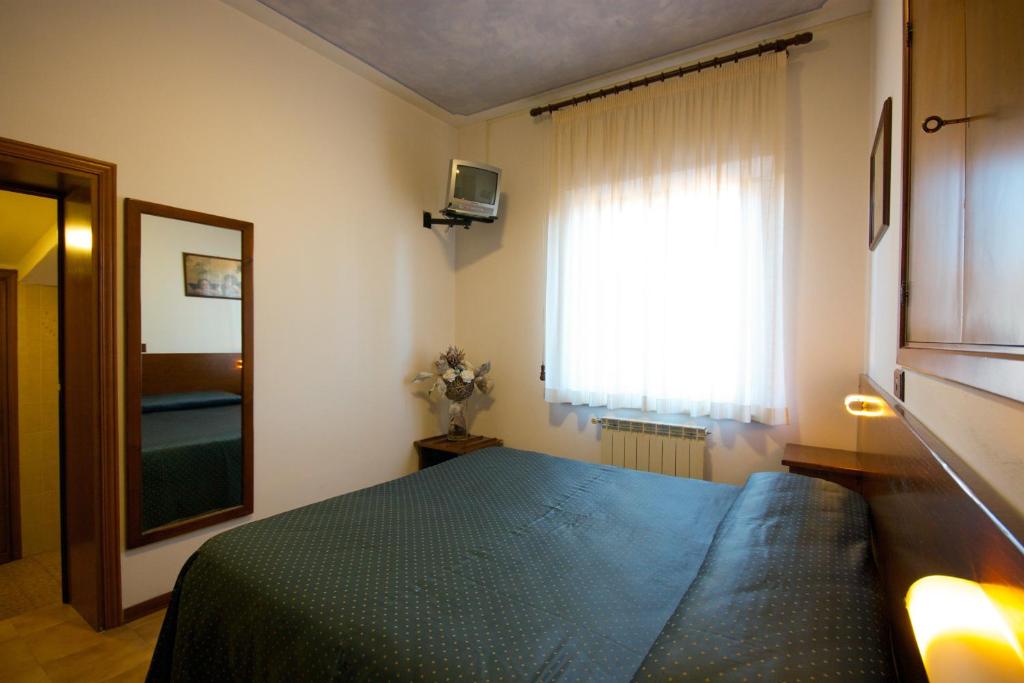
(664, 288)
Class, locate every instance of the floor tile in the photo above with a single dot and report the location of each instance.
(28, 584)
(108, 657)
(35, 674)
(17, 662)
(7, 631)
(148, 627)
(54, 644)
(39, 619)
(126, 634)
(59, 641)
(12, 600)
(50, 561)
(134, 675)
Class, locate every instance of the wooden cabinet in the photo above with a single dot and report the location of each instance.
(937, 178)
(994, 195)
(963, 267)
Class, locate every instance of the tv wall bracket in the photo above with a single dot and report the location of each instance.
(451, 219)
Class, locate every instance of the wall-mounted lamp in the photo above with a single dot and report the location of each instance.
(78, 238)
(864, 406)
(963, 631)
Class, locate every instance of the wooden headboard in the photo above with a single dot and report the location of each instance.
(170, 373)
(932, 514)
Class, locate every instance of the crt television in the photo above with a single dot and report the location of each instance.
(473, 190)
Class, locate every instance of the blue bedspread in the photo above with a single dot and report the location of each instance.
(191, 459)
(501, 565)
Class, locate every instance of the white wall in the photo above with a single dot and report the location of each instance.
(983, 429)
(171, 321)
(500, 270)
(887, 81)
(204, 108)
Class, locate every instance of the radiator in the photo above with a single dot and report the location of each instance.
(677, 450)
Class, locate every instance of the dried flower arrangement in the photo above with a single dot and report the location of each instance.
(456, 378)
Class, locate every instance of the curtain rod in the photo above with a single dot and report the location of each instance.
(773, 46)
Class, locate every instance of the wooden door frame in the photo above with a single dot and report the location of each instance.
(103, 178)
(10, 459)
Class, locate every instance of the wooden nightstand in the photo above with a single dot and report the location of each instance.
(846, 468)
(438, 449)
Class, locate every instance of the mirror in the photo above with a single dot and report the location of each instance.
(188, 370)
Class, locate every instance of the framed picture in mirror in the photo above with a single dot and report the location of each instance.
(212, 277)
(188, 370)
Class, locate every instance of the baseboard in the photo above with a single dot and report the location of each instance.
(133, 612)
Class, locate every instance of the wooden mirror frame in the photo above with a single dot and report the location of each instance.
(133, 211)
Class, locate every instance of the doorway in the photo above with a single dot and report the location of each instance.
(30, 513)
(81, 306)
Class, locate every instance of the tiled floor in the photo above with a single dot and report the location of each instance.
(29, 583)
(55, 644)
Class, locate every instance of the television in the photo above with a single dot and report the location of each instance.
(473, 190)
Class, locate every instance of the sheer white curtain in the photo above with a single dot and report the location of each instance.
(664, 272)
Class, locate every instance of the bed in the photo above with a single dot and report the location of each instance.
(191, 455)
(511, 565)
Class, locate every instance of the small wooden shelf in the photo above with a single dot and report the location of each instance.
(437, 449)
(846, 468)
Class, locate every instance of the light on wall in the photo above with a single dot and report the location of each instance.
(864, 406)
(964, 635)
(78, 238)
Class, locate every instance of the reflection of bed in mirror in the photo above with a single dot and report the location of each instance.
(191, 435)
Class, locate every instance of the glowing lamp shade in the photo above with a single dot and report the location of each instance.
(963, 635)
(864, 406)
(78, 238)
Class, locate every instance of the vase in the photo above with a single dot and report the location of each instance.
(458, 427)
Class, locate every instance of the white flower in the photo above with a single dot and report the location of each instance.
(449, 375)
(422, 376)
(467, 376)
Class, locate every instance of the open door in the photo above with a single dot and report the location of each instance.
(88, 368)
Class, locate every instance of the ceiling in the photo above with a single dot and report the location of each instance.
(24, 220)
(467, 56)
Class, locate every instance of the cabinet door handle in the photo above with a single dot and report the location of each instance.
(933, 123)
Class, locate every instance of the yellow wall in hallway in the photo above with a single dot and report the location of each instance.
(38, 419)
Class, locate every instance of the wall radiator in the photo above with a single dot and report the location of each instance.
(677, 450)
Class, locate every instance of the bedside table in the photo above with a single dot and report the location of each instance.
(437, 449)
(846, 468)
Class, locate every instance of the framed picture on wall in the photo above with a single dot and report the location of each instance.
(212, 277)
(881, 177)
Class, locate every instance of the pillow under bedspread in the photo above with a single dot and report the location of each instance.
(788, 592)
